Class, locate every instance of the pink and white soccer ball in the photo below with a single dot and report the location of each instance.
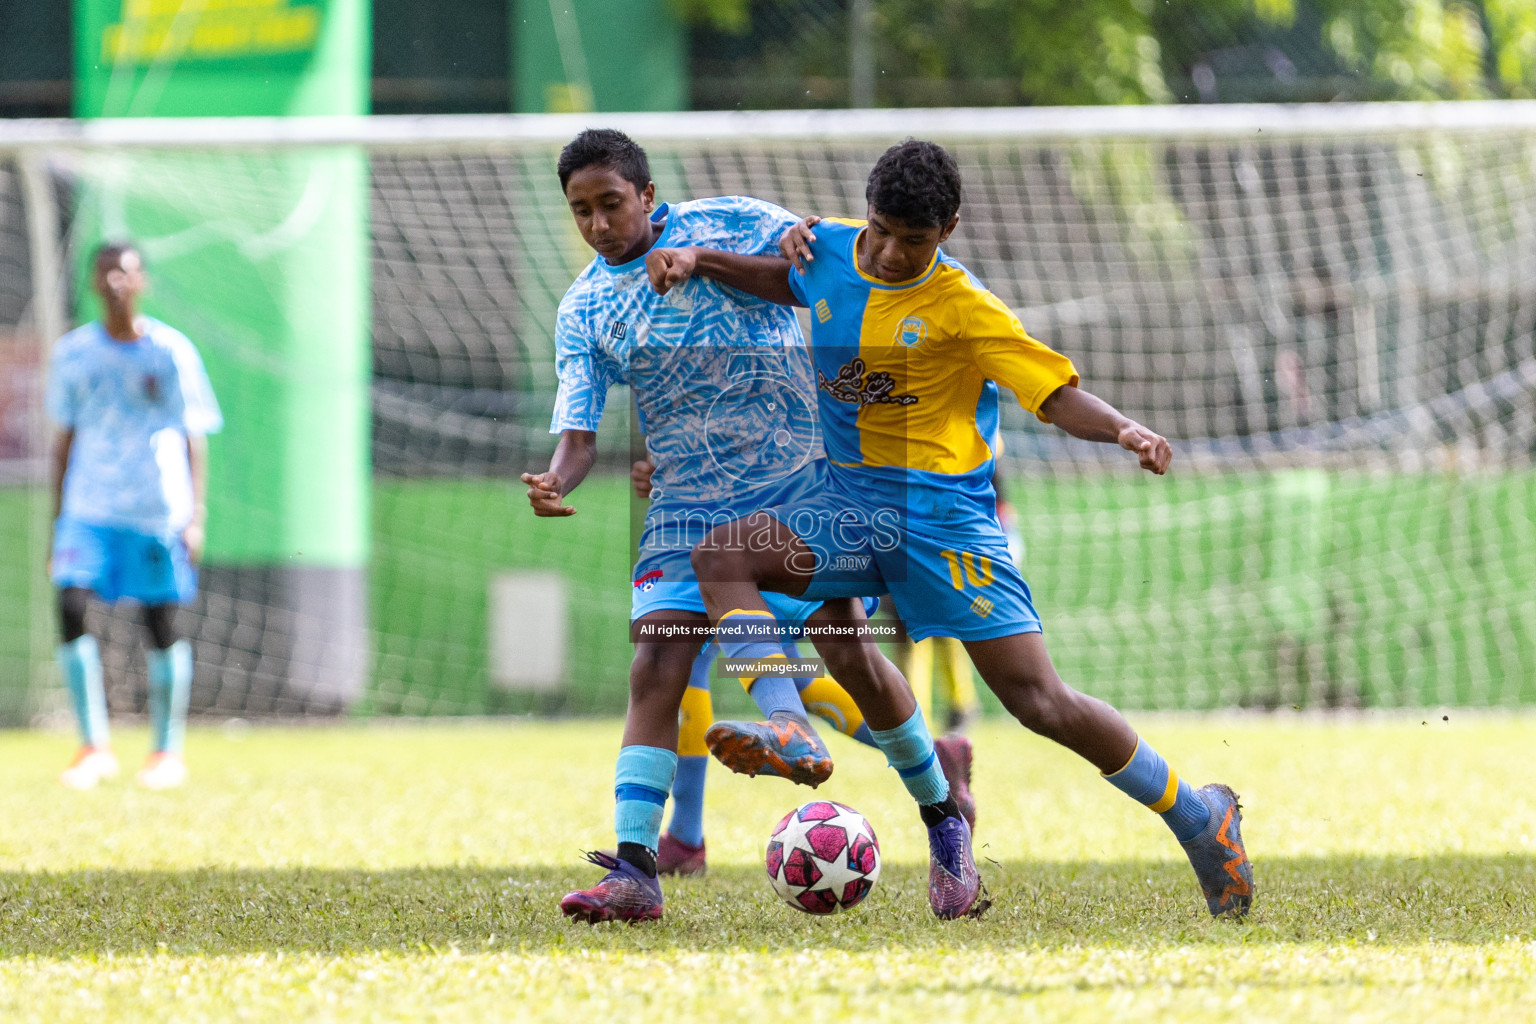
(823, 857)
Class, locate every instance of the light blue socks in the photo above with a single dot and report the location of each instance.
(909, 749)
(1147, 779)
(641, 782)
(80, 662)
(688, 799)
(170, 688)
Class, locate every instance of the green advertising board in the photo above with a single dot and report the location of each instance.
(598, 55)
(261, 257)
(171, 58)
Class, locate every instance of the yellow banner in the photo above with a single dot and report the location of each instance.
(153, 30)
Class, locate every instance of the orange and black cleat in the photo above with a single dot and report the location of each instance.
(1221, 863)
(784, 746)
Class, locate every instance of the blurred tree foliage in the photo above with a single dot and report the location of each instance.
(968, 52)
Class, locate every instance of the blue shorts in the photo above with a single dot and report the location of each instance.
(662, 595)
(115, 562)
(943, 558)
(664, 579)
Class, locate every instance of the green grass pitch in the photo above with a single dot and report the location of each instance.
(403, 872)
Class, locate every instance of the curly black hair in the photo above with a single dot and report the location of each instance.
(606, 147)
(917, 182)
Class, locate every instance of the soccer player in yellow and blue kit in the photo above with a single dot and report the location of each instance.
(909, 350)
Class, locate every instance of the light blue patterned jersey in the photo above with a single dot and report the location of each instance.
(723, 380)
(131, 405)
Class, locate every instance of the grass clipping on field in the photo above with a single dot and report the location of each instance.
(413, 873)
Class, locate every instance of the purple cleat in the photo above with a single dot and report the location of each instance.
(953, 881)
(624, 894)
(675, 857)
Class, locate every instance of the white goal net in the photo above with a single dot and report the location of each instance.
(1329, 311)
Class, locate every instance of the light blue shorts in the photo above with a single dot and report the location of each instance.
(946, 567)
(116, 563)
(664, 578)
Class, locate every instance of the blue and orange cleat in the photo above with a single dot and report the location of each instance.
(783, 746)
(954, 884)
(1217, 855)
(954, 753)
(625, 894)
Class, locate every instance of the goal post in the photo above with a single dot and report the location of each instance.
(1329, 310)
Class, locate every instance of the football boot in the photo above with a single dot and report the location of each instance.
(953, 881)
(1221, 863)
(91, 765)
(163, 770)
(783, 746)
(675, 857)
(625, 894)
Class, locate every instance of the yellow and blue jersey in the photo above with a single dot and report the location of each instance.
(907, 373)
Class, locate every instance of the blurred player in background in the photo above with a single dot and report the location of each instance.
(726, 398)
(133, 406)
(910, 349)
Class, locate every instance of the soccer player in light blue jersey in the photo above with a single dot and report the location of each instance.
(681, 849)
(726, 398)
(910, 352)
(133, 406)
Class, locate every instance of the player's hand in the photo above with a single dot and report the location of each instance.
(668, 268)
(194, 538)
(1153, 450)
(640, 477)
(795, 243)
(544, 495)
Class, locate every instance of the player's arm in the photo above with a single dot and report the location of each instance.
(1045, 382)
(766, 277)
(1086, 415)
(573, 459)
(63, 441)
(585, 377)
(197, 461)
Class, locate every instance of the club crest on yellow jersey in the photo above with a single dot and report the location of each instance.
(912, 331)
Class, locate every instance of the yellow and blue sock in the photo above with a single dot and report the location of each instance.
(692, 754)
(746, 634)
(641, 781)
(1146, 778)
(909, 749)
(80, 662)
(170, 689)
(825, 699)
